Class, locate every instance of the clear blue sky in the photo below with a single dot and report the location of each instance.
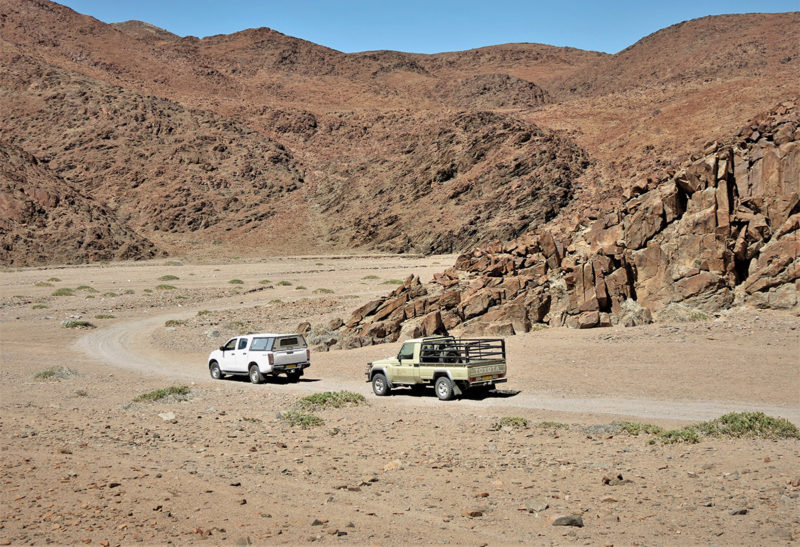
(427, 26)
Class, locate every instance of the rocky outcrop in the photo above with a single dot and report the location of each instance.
(720, 229)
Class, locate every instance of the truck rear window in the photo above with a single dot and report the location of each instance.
(289, 342)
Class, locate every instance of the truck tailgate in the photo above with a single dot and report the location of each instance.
(290, 357)
(486, 371)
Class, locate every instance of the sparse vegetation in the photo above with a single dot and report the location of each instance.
(236, 282)
(110, 294)
(331, 399)
(265, 282)
(301, 419)
(284, 283)
(129, 291)
(42, 284)
(552, 425)
(81, 393)
(86, 288)
(64, 291)
(323, 291)
(78, 325)
(276, 301)
(513, 422)
(169, 277)
(39, 307)
(55, 373)
(698, 316)
(148, 291)
(54, 280)
(164, 287)
(635, 428)
(393, 282)
(370, 277)
(104, 316)
(176, 393)
(734, 424)
(251, 420)
(174, 323)
(300, 288)
(204, 312)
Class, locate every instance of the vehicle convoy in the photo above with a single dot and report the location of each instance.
(259, 355)
(451, 365)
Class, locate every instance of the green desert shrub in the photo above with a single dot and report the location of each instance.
(64, 291)
(164, 287)
(331, 399)
(78, 325)
(169, 277)
(513, 422)
(176, 393)
(55, 373)
(303, 420)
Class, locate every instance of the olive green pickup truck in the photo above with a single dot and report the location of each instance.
(451, 365)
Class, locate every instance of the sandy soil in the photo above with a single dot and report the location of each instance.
(86, 464)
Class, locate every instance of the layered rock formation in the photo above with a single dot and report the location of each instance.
(719, 229)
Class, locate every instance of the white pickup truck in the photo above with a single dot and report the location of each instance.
(257, 355)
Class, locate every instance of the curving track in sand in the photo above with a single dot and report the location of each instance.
(126, 345)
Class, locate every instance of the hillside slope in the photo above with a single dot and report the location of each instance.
(256, 140)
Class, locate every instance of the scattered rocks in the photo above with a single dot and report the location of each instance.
(569, 520)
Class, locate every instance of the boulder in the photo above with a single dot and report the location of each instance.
(432, 324)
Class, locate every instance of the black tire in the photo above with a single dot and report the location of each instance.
(444, 388)
(255, 375)
(452, 357)
(380, 385)
(215, 371)
(293, 375)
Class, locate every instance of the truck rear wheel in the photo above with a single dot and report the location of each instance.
(293, 375)
(444, 388)
(380, 385)
(255, 375)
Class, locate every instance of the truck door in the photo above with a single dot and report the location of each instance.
(227, 360)
(405, 372)
(241, 359)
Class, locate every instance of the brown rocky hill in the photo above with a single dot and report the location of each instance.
(711, 48)
(719, 229)
(44, 220)
(237, 143)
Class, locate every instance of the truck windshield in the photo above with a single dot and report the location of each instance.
(406, 352)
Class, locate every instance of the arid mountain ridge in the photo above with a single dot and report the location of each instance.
(258, 142)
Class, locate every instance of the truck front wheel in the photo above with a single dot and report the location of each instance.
(216, 372)
(444, 388)
(380, 385)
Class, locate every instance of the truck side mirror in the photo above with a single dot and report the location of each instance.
(222, 348)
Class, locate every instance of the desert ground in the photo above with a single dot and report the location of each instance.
(84, 463)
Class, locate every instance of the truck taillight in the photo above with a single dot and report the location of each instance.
(271, 359)
(308, 354)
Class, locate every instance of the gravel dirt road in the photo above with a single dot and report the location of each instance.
(84, 463)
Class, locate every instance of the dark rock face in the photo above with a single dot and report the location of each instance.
(722, 228)
(43, 219)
